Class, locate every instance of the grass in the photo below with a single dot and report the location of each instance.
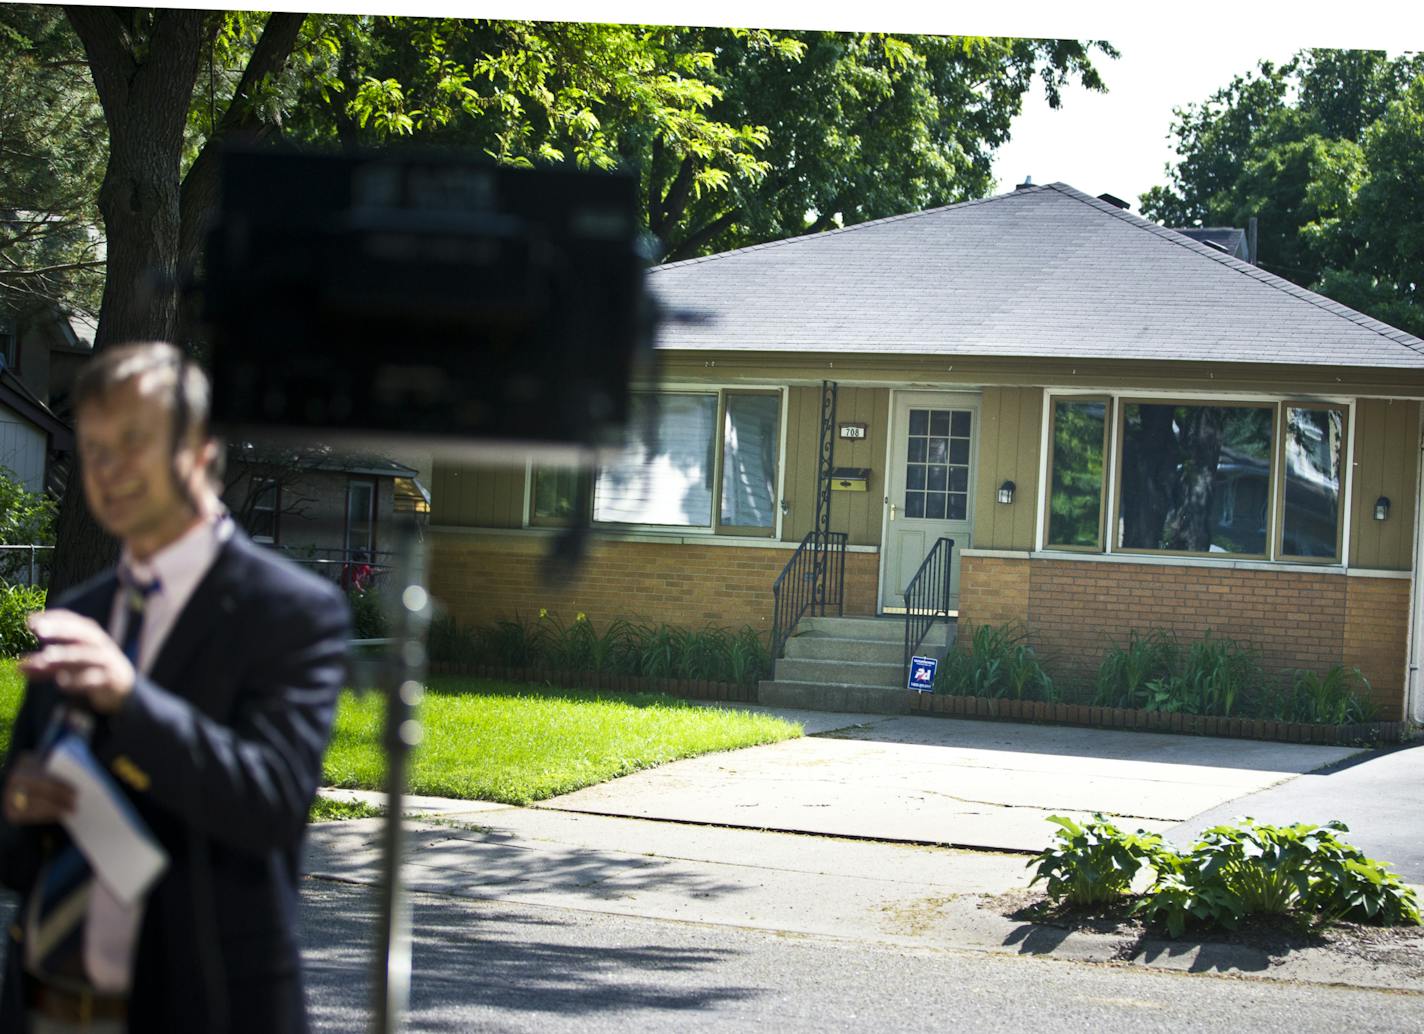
(328, 809)
(496, 741)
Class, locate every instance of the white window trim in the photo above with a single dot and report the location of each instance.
(621, 529)
(1272, 560)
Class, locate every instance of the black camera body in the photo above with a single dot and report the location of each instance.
(425, 298)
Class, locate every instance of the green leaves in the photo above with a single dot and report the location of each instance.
(998, 663)
(1233, 872)
(1093, 864)
(1326, 150)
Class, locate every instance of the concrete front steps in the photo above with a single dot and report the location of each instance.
(848, 664)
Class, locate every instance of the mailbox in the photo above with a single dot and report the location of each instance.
(850, 479)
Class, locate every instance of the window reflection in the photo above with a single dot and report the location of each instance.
(1314, 452)
(1183, 465)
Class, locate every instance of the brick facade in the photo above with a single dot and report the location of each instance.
(480, 579)
(1076, 610)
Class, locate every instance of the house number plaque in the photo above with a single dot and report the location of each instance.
(852, 430)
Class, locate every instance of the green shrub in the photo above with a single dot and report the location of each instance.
(368, 617)
(1333, 698)
(1093, 864)
(998, 663)
(1125, 673)
(16, 603)
(1248, 869)
(621, 648)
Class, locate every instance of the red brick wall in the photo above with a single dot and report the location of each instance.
(1076, 610)
(483, 578)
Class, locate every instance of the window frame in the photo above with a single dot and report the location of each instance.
(259, 486)
(347, 549)
(1278, 516)
(588, 474)
(1109, 456)
(1110, 539)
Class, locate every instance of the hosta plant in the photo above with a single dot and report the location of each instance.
(1093, 863)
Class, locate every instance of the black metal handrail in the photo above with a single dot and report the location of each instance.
(813, 579)
(927, 597)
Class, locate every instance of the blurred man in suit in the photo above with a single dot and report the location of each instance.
(203, 673)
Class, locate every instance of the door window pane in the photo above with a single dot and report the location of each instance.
(749, 447)
(1314, 458)
(664, 473)
(1075, 498)
(1180, 462)
(937, 464)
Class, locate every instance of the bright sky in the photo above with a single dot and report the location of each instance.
(1116, 143)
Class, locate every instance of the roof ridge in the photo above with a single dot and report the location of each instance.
(1320, 301)
(821, 234)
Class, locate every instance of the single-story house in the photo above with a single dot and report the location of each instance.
(1120, 428)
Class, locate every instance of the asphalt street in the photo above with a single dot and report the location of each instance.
(496, 966)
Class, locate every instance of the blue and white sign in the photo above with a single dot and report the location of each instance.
(922, 674)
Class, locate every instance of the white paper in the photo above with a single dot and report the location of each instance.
(120, 850)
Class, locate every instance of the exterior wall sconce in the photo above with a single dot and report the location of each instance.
(1006, 492)
(1381, 508)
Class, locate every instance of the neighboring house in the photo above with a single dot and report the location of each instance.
(1183, 441)
(333, 511)
(32, 438)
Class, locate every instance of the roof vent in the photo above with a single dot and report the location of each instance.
(1028, 182)
(1219, 247)
(1116, 202)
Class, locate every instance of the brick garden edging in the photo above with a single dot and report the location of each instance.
(1157, 721)
(687, 689)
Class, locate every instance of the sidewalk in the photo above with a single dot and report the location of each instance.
(691, 865)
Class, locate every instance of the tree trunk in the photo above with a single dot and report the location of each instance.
(144, 66)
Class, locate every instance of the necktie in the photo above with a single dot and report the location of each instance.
(60, 903)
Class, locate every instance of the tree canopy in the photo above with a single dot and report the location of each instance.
(1327, 151)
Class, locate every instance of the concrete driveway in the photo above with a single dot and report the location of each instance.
(955, 782)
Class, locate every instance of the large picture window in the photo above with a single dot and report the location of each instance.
(1244, 479)
(1180, 462)
(691, 460)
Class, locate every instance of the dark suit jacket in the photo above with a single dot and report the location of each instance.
(220, 750)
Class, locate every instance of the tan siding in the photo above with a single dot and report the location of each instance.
(1009, 428)
(858, 513)
(802, 440)
(1386, 436)
(477, 497)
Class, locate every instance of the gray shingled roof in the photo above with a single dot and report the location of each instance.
(1045, 271)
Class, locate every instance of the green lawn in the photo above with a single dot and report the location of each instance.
(496, 741)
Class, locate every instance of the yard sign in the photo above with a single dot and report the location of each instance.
(922, 674)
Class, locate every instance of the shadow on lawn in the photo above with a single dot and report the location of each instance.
(473, 962)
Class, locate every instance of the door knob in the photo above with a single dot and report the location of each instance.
(892, 510)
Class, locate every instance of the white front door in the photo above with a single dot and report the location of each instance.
(930, 486)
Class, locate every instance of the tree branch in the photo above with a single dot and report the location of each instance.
(674, 203)
(106, 44)
(200, 186)
(47, 270)
(687, 248)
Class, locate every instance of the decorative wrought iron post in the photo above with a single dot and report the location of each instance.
(822, 525)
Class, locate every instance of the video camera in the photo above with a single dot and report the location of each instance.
(425, 299)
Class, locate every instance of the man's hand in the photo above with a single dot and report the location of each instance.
(80, 658)
(32, 796)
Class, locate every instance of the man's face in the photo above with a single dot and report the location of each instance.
(124, 442)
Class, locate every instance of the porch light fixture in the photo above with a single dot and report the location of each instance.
(1381, 507)
(1006, 492)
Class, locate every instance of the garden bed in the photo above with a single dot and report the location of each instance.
(1059, 713)
(685, 689)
